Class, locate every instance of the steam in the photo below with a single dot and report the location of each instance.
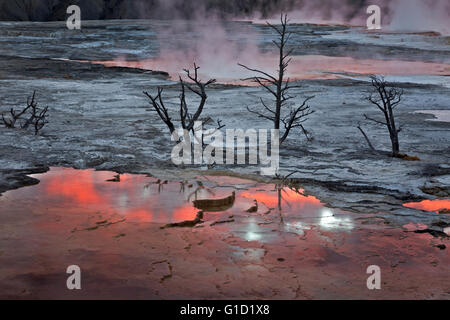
(421, 15)
(217, 45)
(397, 15)
(322, 12)
(213, 45)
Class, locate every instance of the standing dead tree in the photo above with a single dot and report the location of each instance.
(37, 117)
(279, 87)
(386, 98)
(187, 119)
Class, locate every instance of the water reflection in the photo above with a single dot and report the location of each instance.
(140, 198)
(330, 221)
(252, 231)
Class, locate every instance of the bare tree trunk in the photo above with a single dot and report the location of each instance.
(395, 145)
(394, 134)
(281, 69)
(386, 98)
(279, 87)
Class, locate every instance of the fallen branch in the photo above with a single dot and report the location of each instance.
(367, 138)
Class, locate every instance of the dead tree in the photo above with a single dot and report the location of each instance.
(187, 119)
(279, 87)
(37, 117)
(11, 122)
(15, 115)
(158, 105)
(386, 98)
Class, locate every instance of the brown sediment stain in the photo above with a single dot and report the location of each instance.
(407, 157)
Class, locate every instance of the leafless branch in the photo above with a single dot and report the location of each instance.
(386, 98)
(36, 117)
(160, 108)
(14, 115)
(187, 119)
(279, 87)
(366, 137)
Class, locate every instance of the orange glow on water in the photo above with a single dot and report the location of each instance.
(143, 199)
(141, 215)
(75, 187)
(430, 205)
(184, 213)
(294, 201)
(135, 197)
